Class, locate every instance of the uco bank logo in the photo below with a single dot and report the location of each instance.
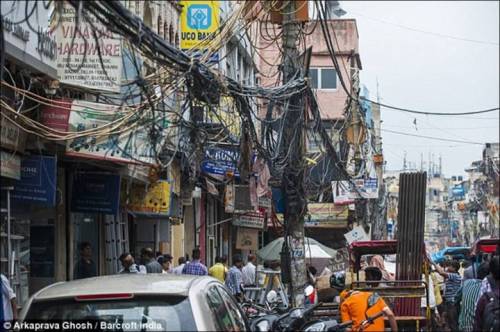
(199, 17)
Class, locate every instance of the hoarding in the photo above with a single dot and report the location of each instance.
(250, 220)
(199, 21)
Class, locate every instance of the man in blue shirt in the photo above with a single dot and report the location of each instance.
(453, 282)
(195, 267)
(234, 279)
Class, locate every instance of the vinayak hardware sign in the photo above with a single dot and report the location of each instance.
(131, 146)
(80, 49)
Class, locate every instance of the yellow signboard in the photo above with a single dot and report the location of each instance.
(157, 199)
(199, 21)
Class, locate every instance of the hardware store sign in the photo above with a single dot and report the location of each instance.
(78, 51)
(199, 21)
(156, 199)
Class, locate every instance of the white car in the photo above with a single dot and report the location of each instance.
(131, 302)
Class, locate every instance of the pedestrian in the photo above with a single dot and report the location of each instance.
(471, 271)
(159, 256)
(234, 279)
(453, 281)
(8, 305)
(488, 283)
(181, 261)
(467, 297)
(166, 263)
(129, 266)
(218, 270)
(195, 267)
(152, 265)
(248, 271)
(487, 315)
(378, 261)
(358, 305)
(85, 267)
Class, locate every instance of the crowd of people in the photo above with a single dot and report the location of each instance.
(235, 277)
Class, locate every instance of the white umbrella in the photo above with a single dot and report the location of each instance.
(315, 251)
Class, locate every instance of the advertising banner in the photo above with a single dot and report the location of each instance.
(156, 199)
(326, 215)
(57, 115)
(38, 180)
(78, 49)
(131, 146)
(95, 192)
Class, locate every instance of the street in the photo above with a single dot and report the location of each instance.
(213, 165)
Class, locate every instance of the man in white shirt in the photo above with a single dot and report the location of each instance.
(178, 269)
(9, 305)
(248, 271)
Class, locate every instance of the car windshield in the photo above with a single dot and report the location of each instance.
(136, 314)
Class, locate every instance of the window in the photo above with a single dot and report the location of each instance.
(236, 315)
(323, 78)
(221, 315)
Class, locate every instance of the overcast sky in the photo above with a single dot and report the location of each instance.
(428, 72)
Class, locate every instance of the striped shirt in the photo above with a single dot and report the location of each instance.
(452, 285)
(469, 295)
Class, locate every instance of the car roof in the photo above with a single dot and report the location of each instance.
(144, 284)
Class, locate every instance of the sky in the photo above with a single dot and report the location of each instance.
(431, 72)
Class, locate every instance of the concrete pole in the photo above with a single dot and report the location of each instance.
(293, 258)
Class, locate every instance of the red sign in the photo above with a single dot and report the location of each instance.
(56, 116)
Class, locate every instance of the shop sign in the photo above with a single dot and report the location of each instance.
(219, 161)
(247, 239)
(10, 165)
(319, 211)
(357, 234)
(155, 199)
(56, 116)
(250, 220)
(132, 146)
(95, 192)
(199, 22)
(341, 260)
(38, 180)
(265, 202)
(30, 37)
(229, 198)
(80, 50)
(11, 136)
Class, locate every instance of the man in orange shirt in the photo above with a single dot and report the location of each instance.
(359, 306)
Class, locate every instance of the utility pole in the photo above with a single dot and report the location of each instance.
(293, 252)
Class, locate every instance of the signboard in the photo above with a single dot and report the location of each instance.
(28, 40)
(357, 234)
(340, 191)
(95, 192)
(38, 180)
(250, 220)
(199, 21)
(341, 260)
(326, 215)
(219, 161)
(78, 51)
(247, 239)
(229, 198)
(57, 115)
(10, 165)
(11, 136)
(156, 199)
(131, 146)
(363, 188)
